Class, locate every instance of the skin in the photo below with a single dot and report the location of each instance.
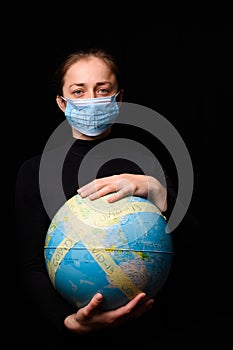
(90, 78)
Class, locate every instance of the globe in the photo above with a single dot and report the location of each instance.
(118, 249)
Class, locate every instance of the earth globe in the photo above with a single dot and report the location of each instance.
(118, 249)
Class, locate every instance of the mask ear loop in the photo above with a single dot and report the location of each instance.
(64, 98)
(115, 96)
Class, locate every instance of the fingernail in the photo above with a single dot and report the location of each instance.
(92, 196)
(99, 297)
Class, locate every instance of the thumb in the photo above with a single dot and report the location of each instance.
(94, 304)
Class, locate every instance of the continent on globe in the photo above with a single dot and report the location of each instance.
(118, 249)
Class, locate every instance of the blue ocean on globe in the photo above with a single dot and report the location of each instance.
(118, 249)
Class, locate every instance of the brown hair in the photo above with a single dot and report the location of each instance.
(83, 54)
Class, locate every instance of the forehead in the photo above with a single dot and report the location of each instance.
(89, 69)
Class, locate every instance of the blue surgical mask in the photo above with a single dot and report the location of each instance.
(92, 116)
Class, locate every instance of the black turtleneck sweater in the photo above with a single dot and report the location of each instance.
(38, 197)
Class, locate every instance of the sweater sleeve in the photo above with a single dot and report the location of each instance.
(39, 297)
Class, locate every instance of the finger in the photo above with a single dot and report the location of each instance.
(133, 309)
(119, 189)
(102, 192)
(93, 186)
(84, 191)
(143, 307)
(122, 193)
(93, 305)
(130, 306)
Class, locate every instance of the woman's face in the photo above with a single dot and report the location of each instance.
(89, 78)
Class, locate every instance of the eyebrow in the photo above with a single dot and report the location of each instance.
(97, 84)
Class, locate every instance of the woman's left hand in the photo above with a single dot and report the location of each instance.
(124, 185)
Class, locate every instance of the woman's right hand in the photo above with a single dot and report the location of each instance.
(91, 318)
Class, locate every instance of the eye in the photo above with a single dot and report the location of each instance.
(78, 93)
(103, 92)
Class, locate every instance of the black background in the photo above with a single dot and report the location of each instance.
(185, 74)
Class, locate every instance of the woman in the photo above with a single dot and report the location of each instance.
(84, 80)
